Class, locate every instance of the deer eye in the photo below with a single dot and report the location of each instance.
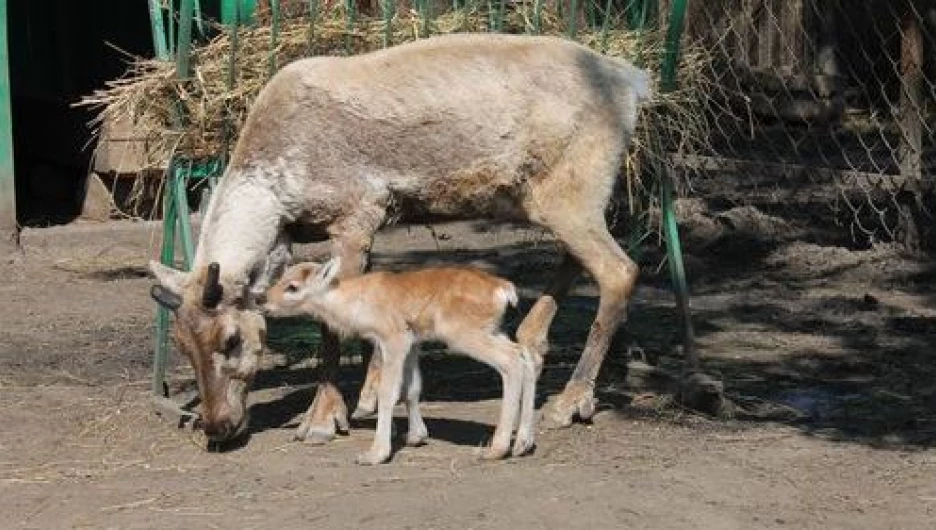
(291, 288)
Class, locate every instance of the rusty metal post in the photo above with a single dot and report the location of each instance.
(911, 95)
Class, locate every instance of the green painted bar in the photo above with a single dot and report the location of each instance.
(274, 36)
(538, 17)
(159, 29)
(670, 226)
(167, 257)
(184, 48)
(199, 21)
(388, 8)
(313, 18)
(240, 11)
(425, 16)
(183, 212)
(8, 228)
(350, 21)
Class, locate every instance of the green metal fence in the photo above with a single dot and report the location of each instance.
(8, 227)
(172, 32)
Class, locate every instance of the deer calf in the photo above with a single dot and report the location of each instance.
(462, 307)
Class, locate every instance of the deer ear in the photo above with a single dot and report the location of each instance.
(170, 279)
(165, 297)
(329, 271)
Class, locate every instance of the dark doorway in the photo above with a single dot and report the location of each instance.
(59, 51)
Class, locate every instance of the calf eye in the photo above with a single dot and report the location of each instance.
(232, 342)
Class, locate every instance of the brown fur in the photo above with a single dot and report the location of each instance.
(461, 306)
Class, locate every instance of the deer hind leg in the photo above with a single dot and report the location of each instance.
(571, 203)
(328, 412)
(616, 275)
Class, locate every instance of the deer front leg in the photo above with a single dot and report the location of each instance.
(328, 410)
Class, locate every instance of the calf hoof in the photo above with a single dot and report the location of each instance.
(523, 445)
(416, 439)
(363, 412)
(366, 406)
(372, 458)
(492, 453)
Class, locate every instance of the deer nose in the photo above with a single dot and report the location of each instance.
(219, 430)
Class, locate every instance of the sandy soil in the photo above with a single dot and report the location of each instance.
(826, 353)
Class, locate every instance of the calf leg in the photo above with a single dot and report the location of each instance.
(367, 402)
(502, 354)
(394, 353)
(417, 432)
(533, 332)
(526, 430)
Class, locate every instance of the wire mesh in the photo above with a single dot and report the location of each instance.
(823, 103)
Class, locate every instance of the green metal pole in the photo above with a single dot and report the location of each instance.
(182, 209)
(184, 47)
(313, 18)
(670, 226)
(199, 22)
(228, 127)
(350, 20)
(159, 30)
(8, 227)
(425, 15)
(167, 257)
(274, 35)
(572, 29)
(538, 17)
(388, 8)
(671, 51)
(605, 26)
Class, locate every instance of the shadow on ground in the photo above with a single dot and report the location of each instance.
(830, 340)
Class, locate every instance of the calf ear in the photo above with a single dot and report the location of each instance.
(329, 271)
(170, 279)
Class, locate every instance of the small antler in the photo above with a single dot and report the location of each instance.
(213, 292)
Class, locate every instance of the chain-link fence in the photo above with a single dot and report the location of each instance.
(826, 105)
(823, 106)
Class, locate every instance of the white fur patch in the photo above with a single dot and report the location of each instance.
(506, 295)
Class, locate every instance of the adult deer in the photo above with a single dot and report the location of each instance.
(461, 126)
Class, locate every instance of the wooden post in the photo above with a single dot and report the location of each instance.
(9, 232)
(911, 95)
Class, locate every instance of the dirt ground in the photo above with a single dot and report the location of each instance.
(826, 353)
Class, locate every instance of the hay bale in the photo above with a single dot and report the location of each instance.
(191, 117)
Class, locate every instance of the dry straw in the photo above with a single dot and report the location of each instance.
(151, 97)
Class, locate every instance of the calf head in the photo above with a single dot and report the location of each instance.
(300, 284)
(220, 336)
